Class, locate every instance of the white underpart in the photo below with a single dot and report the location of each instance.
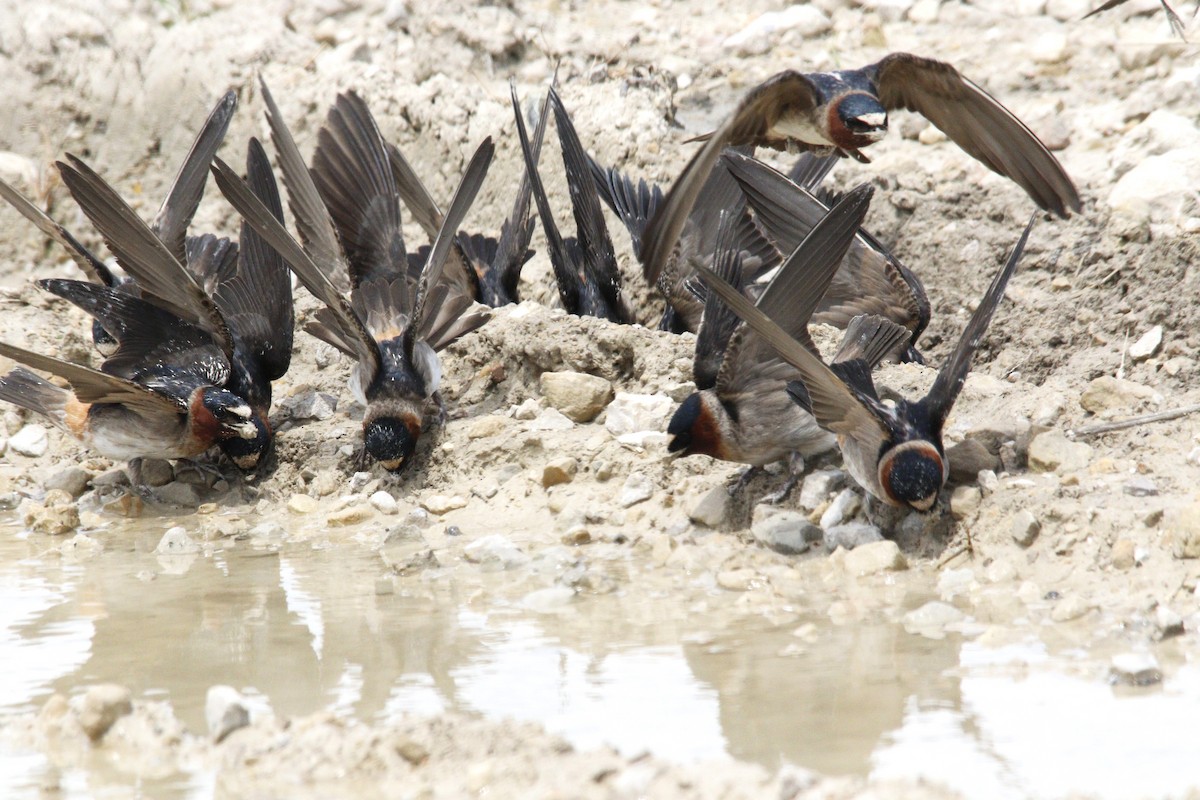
(800, 127)
(877, 119)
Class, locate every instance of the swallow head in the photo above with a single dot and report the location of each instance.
(390, 441)
(912, 474)
(857, 119)
(231, 413)
(696, 427)
(247, 454)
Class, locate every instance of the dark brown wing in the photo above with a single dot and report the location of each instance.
(354, 178)
(978, 124)
(413, 192)
(161, 276)
(783, 94)
(953, 374)
(93, 386)
(93, 267)
(718, 323)
(183, 198)
(308, 210)
(347, 326)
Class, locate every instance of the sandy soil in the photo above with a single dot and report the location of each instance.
(1097, 537)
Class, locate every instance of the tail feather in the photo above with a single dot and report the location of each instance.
(31, 391)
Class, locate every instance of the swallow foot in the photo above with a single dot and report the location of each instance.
(740, 484)
(795, 473)
(442, 414)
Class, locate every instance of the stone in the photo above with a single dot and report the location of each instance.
(551, 600)
(637, 488)
(302, 504)
(1106, 393)
(736, 580)
(818, 486)
(176, 493)
(351, 515)
(955, 582)
(225, 711)
(176, 542)
(765, 30)
(1123, 554)
(713, 508)
(549, 419)
(1147, 344)
(440, 504)
(1140, 486)
(73, 480)
(1135, 669)
(579, 396)
(54, 518)
(310, 404)
(869, 559)
(576, 536)
(383, 502)
(1025, 527)
(1160, 132)
(1050, 48)
(842, 509)
(787, 532)
(31, 441)
(635, 413)
(932, 619)
(156, 472)
(1183, 523)
(495, 550)
(1071, 607)
(851, 535)
(965, 502)
(413, 752)
(527, 410)
(968, 458)
(484, 427)
(1051, 451)
(80, 547)
(560, 470)
(103, 705)
(1167, 621)
(1155, 191)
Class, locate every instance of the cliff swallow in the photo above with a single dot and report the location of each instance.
(253, 290)
(894, 452)
(845, 111)
(159, 395)
(392, 329)
(870, 279)
(1173, 19)
(635, 205)
(490, 266)
(585, 267)
(742, 411)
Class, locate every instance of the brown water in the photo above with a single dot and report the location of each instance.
(304, 627)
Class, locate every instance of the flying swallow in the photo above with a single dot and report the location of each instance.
(870, 279)
(742, 411)
(585, 266)
(347, 211)
(845, 111)
(159, 395)
(635, 204)
(894, 452)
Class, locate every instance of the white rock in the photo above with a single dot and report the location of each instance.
(551, 600)
(527, 410)
(1050, 48)
(1147, 345)
(1156, 191)
(842, 509)
(713, 508)
(441, 504)
(634, 413)
(1137, 669)
(1053, 452)
(1168, 621)
(1025, 527)
(384, 502)
(965, 501)
(637, 489)
(176, 542)
(819, 485)
(758, 37)
(954, 582)
(932, 619)
(495, 550)
(551, 419)
(579, 396)
(225, 711)
(787, 532)
(103, 705)
(888, 10)
(876, 557)
(1064, 10)
(30, 441)
(1160, 132)
(851, 535)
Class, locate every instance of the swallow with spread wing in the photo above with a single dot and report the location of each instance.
(348, 214)
(742, 411)
(894, 452)
(585, 266)
(870, 279)
(159, 395)
(845, 111)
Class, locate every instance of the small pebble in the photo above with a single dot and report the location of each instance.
(1025, 527)
(1135, 669)
(383, 502)
(560, 470)
(30, 441)
(225, 711)
(353, 515)
(103, 705)
(842, 509)
(637, 489)
(442, 504)
(713, 508)
(1123, 554)
(868, 559)
(1168, 622)
(301, 504)
(176, 542)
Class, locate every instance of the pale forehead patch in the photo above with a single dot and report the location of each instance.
(875, 119)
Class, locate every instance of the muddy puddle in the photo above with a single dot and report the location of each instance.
(306, 627)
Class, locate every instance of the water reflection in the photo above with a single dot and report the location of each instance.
(303, 629)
